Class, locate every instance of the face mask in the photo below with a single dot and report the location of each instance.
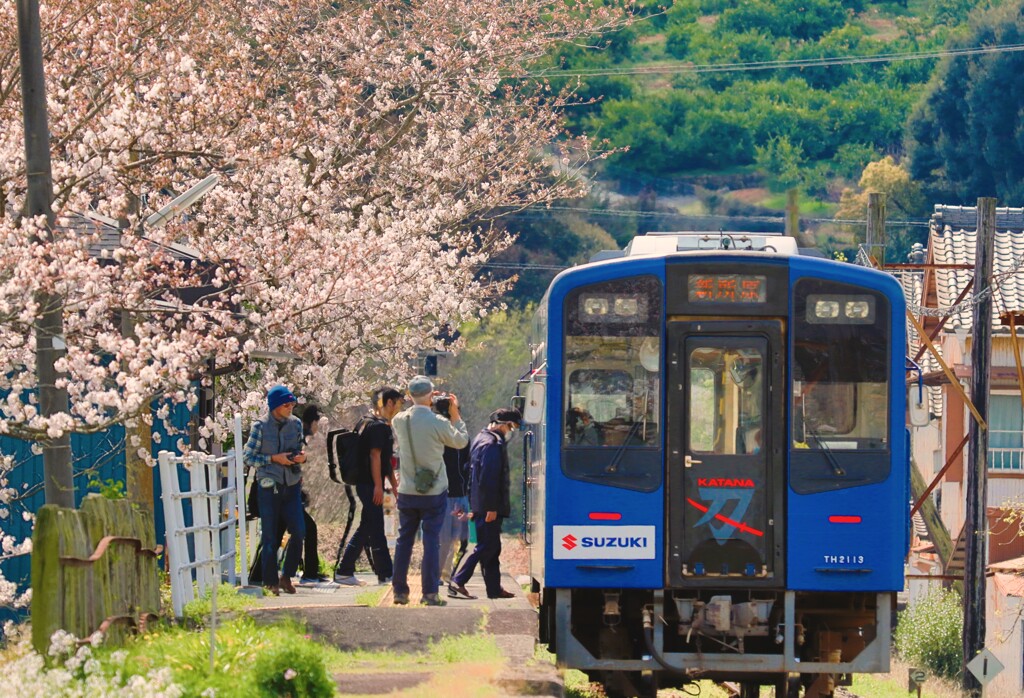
(509, 434)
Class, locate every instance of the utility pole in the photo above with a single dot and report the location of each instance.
(976, 523)
(57, 472)
(792, 213)
(875, 239)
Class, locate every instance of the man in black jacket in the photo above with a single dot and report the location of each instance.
(489, 503)
(376, 445)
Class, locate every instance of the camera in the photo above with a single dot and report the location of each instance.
(442, 404)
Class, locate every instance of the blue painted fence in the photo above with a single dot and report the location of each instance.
(99, 457)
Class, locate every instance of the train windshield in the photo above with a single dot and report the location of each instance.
(840, 367)
(612, 369)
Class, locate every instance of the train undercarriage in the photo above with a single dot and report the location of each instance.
(635, 641)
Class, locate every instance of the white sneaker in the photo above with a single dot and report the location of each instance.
(350, 581)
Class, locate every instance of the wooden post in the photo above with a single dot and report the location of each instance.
(792, 213)
(976, 522)
(875, 237)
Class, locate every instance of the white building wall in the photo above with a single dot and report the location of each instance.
(1003, 637)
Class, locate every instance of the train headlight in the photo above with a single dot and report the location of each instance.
(595, 306)
(840, 310)
(616, 308)
(625, 305)
(826, 309)
(857, 310)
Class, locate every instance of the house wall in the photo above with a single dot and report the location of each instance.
(1003, 637)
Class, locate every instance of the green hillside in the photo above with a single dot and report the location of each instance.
(716, 107)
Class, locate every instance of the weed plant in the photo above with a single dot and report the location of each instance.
(246, 657)
(929, 633)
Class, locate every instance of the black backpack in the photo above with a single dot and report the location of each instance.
(343, 452)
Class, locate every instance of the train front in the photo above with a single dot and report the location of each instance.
(720, 485)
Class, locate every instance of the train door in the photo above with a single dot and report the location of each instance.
(725, 469)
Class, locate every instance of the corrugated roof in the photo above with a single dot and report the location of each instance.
(109, 235)
(912, 283)
(952, 239)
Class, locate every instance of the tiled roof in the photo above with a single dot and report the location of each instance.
(952, 239)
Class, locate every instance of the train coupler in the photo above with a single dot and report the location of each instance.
(612, 611)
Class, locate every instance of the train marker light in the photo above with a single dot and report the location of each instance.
(605, 516)
(844, 519)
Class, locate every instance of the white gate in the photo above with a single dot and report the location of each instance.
(218, 515)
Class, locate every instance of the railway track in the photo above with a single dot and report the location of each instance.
(733, 689)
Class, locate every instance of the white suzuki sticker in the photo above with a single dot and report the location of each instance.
(603, 542)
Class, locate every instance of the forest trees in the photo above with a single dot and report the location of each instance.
(966, 137)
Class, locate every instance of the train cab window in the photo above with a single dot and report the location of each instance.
(726, 398)
(840, 386)
(612, 409)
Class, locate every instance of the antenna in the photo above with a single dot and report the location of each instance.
(161, 217)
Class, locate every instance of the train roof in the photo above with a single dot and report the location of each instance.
(670, 243)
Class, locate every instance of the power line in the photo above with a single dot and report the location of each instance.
(637, 213)
(824, 62)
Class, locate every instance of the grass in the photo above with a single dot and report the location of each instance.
(447, 650)
(371, 598)
(197, 611)
(239, 646)
(807, 206)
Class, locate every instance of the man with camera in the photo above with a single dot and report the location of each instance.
(422, 435)
(275, 449)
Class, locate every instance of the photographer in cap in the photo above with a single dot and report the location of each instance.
(422, 435)
(275, 449)
(489, 502)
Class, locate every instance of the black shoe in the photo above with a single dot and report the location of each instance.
(502, 594)
(459, 591)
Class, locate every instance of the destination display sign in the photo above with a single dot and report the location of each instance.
(727, 288)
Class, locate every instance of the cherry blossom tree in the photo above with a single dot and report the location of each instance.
(364, 151)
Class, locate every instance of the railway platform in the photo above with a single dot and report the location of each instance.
(339, 615)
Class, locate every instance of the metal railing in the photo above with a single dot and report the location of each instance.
(1006, 459)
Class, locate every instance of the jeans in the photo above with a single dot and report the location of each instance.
(452, 529)
(279, 504)
(370, 533)
(413, 510)
(310, 561)
(486, 552)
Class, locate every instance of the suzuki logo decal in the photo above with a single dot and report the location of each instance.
(583, 542)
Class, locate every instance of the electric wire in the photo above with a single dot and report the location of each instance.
(780, 64)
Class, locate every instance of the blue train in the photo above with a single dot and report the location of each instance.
(717, 466)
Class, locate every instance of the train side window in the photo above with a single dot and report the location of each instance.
(612, 383)
(840, 385)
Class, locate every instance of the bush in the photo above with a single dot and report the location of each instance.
(930, 633)
(297, 672)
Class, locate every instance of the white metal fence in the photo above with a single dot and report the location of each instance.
(217, 494)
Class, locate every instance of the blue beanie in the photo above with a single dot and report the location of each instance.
(279, 395)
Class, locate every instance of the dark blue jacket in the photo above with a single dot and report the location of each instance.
(489, 476)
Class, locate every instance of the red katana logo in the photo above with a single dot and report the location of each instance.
(569, 542)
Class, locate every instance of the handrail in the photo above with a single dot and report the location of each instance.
(102, 548)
